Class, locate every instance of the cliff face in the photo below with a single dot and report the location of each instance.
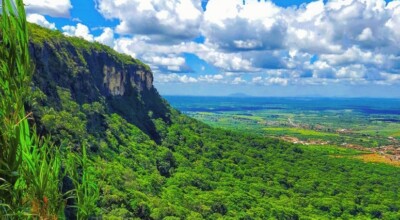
(92, 72)
(67, 66)
(116, 79)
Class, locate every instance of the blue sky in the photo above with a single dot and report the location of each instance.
(261, 48)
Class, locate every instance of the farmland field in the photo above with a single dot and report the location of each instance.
(361, 122)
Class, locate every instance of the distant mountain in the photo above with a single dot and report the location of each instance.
(239, 95)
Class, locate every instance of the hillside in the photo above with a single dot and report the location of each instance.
(93, 73)
(154, 163)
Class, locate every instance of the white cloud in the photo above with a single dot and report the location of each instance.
(238, 80)
(79, 30)
(355, 72)
(174, 78)
(393, 23)
(218, 78)
(354, 55)
(343, 34)
(277, 81)
(234, 26)
(40, 20)
(257, 80)
(260, 80)
(233, 62)
(390, 78)
(161, 58)
(143, 48)
(170, 63)
(107, 37)
(77, 20)
(54, 8)
(221, 78)
(166, 61)
(167, 21)
(366, 35)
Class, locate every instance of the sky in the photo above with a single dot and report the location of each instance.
(330, 48)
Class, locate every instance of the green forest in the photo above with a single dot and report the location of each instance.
(85, 135)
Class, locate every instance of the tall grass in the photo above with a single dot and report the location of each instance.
(86, 193)
(41, 175)
(15, 76)
(30, 167)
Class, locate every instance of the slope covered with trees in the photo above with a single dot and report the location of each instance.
(154, 163)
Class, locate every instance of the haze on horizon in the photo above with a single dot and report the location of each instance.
(260, 48)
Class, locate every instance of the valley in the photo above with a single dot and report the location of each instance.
(370, 125)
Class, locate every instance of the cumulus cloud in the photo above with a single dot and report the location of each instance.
(161, 58)
(277, 81)
(174, 78)
(354, 55)
(80, 30)
(170, 63)
(54, 8)
(394, 21)
(238, 80)
(107, 37)
(166, 21)
(143, 48)
(233, 62)
(218, 78)
(221, 78)
(40, 20)
(344, 34)
(253, 26)
(355, 41)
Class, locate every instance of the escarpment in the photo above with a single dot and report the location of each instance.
(92, 72)
(69, 66)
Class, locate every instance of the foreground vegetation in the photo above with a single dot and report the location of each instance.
(31, 173)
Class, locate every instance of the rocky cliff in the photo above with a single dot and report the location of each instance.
(92, 72)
